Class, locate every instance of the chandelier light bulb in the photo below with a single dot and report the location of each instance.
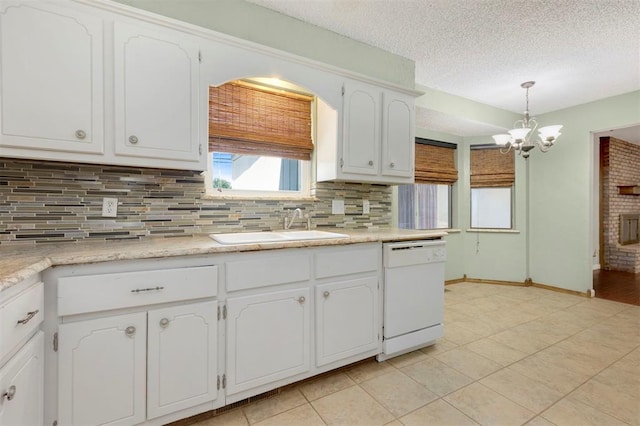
(502, 139)
(519, 135)
(549, 133)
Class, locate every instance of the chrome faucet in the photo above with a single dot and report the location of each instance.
(296, 212)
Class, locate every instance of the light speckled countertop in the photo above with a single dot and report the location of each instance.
(19, 262)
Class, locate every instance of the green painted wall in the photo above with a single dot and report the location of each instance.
(561, 191)
(466, 108)
(258, 24)
(494, 256)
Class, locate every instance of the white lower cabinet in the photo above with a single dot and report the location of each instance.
(182, 359)
(346, 319)
(156, 344)
(267, 338)
(21, 385)
(121, 370)
(102, 371)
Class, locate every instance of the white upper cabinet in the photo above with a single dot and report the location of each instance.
(398, 135)
(373, 140)
(361, 147)
(51, 71)
(156, 94)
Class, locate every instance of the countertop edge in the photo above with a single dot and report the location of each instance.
(15, 268)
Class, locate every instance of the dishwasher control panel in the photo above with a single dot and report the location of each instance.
(414, 253)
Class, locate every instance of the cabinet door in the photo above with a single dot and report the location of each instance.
(156, 93)
(267, 338)
(361, 138)
(101, 371)
(22, 378)
(346, 319)
(182, 357)
(51, 77)
(398, 135)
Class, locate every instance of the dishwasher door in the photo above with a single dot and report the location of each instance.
(413, 294)
(413, 299)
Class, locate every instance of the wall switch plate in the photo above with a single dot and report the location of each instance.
(366, 207)
(337, 207)
(109, 207)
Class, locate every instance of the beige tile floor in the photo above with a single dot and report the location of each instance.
(510, 356)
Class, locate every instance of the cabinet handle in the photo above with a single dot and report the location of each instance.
(30, 315)
(392, 165)
(139, 290)
(164, 323)
(130, 331)
(326, 294)
(371, 162)
(81, 134)
(10, 393)
(301, 299)
(133, 139)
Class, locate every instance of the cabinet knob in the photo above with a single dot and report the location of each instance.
(371, 162)
(81, 134)
(10, 393)
(392, 165)
(301, 299)
(133, 139)
(130, 331)
(326, 294)
(164, 322)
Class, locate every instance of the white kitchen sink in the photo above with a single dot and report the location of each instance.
(271, 237)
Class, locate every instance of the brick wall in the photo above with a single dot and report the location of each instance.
(43, 202)
(619, 165)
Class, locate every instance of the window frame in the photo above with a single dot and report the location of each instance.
(307, 171)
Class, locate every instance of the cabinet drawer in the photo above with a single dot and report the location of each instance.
(20, 317)
(336, 262)
(91, 293)
(261, 271)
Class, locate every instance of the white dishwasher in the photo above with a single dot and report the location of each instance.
(413, 307)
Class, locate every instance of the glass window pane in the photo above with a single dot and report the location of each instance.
(424, 206)
(255, 172)
(491, 208)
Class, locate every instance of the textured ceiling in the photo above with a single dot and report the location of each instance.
(576, 50)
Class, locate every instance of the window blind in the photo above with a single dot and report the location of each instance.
(245, 119)
(491, 168)
(435, 164)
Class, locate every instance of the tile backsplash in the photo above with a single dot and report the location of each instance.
(43, 202)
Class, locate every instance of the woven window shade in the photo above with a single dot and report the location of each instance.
(435, 165)
(246, 120)
(491, 168)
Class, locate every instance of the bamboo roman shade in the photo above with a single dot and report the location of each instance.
(491, 168)
(244, 119)
(435, 164)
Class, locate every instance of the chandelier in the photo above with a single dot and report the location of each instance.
(521, 138)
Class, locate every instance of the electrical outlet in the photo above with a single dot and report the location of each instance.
(109, 207)
(337, 207)
(366, 207)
